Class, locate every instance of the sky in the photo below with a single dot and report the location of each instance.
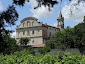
(46, 16)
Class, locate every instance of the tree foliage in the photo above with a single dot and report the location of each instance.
(64, 39)
(71, 37)
(51, 43)
(24, 40)
(80, 35)
(9, 45)
(49, 3)
(7, 18)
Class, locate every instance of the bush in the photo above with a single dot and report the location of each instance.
(51, 43)
(44, 50)
(25, 58)
(24, 40)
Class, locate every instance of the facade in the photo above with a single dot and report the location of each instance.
(37, 32)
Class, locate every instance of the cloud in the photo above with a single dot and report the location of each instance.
(41, 12)
(55, 24)
(78, 11)
(1, 7)
(13, 35)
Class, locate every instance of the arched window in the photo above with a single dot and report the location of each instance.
(23, 24)
(28, 24)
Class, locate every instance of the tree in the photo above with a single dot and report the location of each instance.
(51, 43)
(49, 3)
(80, 35)
(71, 37)
(10, 45)
(65, 38)
(24, 40)
(7, 17)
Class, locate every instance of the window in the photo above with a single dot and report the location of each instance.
(28, 33)
(32, 41)
(28, 23)
(23, 32)
(33, 32)
(50, 28)
(18, 34)
(50, 34)
(23, 24)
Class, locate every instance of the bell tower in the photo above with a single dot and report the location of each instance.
(60, 21)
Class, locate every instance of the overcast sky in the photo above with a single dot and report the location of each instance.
(45, 16)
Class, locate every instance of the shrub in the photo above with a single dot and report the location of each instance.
(44, 50)
(24, 40)
(25, 58)
(51, 43)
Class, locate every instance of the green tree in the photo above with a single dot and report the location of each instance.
(65, 38)
(7, 18)
(10, 44)
(51, 43)
(80, 35)
(24, 40)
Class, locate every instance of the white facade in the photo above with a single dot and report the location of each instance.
(36, 31)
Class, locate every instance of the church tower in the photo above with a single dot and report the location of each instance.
(60, 21)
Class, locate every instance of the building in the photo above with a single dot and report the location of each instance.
(38, 32)
(60, 20)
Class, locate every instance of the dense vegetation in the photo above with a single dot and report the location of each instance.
(25, 57)
(69, 38)
(9, 45)
(10, 15)
(24, 40)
